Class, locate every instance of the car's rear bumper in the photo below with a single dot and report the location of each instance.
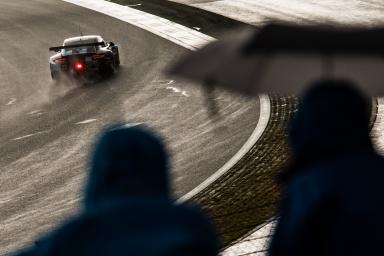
(89, 68)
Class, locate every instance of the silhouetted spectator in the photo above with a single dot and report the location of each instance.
(128, 209)
(334, 194)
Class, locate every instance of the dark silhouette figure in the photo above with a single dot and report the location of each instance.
(334, 195)
(128, 209)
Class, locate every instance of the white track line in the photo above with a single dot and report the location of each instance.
(265, 111)
(29, 135)
(87, 121)
(188, 38)
(181, 35)
(13, 100)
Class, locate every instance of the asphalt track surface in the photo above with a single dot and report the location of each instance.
(47, 128)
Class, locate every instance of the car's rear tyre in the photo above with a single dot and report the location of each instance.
(117, 62)
(117, 59)
(108, 69)
(55, 75)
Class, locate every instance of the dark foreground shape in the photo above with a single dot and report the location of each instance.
(128, 209)
(284, 59)
(334, 198)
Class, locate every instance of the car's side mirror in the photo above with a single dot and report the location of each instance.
(111, 44)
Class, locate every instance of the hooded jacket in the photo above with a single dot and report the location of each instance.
(333, 200)
(128, 209)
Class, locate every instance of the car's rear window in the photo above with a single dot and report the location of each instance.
(78, 50)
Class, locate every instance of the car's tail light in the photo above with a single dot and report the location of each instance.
(98, 56)
(79, 66)
(60, 60)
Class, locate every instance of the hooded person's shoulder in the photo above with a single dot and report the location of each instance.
(176, 225)
(314, 182)
(333, 176)
(156, 211)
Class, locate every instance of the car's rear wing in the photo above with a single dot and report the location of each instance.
(58, 48)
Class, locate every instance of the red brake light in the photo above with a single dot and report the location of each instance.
(60, 60)
(79, 66)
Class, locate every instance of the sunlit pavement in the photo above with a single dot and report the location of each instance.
(361, 12)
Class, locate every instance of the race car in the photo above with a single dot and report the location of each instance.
(83, 57)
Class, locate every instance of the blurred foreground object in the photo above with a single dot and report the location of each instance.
(285, 59)
(128, 209)
(333, 201)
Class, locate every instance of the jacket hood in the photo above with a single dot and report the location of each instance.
(332, 120)
(128, 161)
